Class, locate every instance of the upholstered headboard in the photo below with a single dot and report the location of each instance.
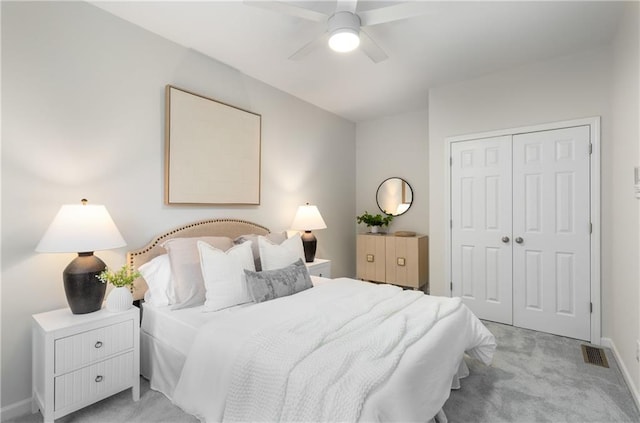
(231, 228)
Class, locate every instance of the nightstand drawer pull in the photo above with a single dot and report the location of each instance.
(370, 258)
(98, 344)
(400, 261)
(99, 378)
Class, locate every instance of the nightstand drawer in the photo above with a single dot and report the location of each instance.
(85, 348)
(320, 267)
(323, 270)
(89, 384)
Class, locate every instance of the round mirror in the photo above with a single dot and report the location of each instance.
(394, 196)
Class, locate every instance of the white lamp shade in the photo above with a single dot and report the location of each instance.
(308, 218)
(81, 228)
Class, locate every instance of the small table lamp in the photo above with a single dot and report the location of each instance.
(308, 219)
(82, 229)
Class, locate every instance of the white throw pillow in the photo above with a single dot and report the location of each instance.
(223, 274)
(185, 268)
(278, 256)
(274, 237)
(157, 275)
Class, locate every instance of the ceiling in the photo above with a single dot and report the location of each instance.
(452, 41)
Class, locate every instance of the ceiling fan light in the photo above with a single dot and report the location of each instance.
(344, 40)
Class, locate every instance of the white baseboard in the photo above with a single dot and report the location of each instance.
(608, 342)
(16, 409)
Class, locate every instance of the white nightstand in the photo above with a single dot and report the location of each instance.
(320, 267)
(79, 359)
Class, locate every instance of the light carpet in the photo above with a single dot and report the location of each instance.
(538, 377)
(535, 377)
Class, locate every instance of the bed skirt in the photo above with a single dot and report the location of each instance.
(160, 364)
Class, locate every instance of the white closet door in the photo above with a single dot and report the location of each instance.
(551, 230)
(480, 218)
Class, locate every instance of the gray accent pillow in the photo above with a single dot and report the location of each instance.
(275, 237)
(270, 284)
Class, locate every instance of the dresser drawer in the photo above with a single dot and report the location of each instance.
(370, 257)
(398, 260)
(87, 347)
(91, 383)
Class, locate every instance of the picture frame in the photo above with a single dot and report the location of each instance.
(212, 151)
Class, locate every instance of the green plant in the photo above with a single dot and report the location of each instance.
(119, 278)
(374, 220)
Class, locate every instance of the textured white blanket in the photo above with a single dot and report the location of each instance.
(319, 353)
(321, 363)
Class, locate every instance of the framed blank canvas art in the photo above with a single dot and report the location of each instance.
(212, 151)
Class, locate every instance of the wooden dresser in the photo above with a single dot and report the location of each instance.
(397, 260)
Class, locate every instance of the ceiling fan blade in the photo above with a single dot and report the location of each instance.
(288, 9)
(346, 6)
(309, 47)
(392, 13)
(371, 49)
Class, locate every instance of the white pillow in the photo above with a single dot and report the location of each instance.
(157, 275)
(274, 237)
(223, 273)
(185, 268)
(278, 256)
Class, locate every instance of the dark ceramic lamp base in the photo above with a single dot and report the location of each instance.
(85, 292)
(309, 243)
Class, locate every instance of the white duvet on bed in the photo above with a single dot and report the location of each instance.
(344, 350)
(166, 337)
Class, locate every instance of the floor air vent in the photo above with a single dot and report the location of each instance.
(595, 356)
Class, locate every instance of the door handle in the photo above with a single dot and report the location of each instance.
(505, 239)
(519, 240)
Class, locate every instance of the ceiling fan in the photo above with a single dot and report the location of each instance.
(345, 26)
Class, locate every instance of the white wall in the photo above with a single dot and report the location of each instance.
(561, 89)
(394, 146)
(621, 243)
(83, 113)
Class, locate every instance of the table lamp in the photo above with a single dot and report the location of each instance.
(82, 229)
(308, 219)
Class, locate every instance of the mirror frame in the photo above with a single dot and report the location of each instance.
(404, 181)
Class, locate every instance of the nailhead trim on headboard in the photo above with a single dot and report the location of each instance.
(217, 230)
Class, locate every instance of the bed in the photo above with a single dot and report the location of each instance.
(341, 350)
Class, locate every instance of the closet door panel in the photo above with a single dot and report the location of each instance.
(480, 218)
(551, 286)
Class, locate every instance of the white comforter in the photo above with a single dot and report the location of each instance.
(342, 351)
